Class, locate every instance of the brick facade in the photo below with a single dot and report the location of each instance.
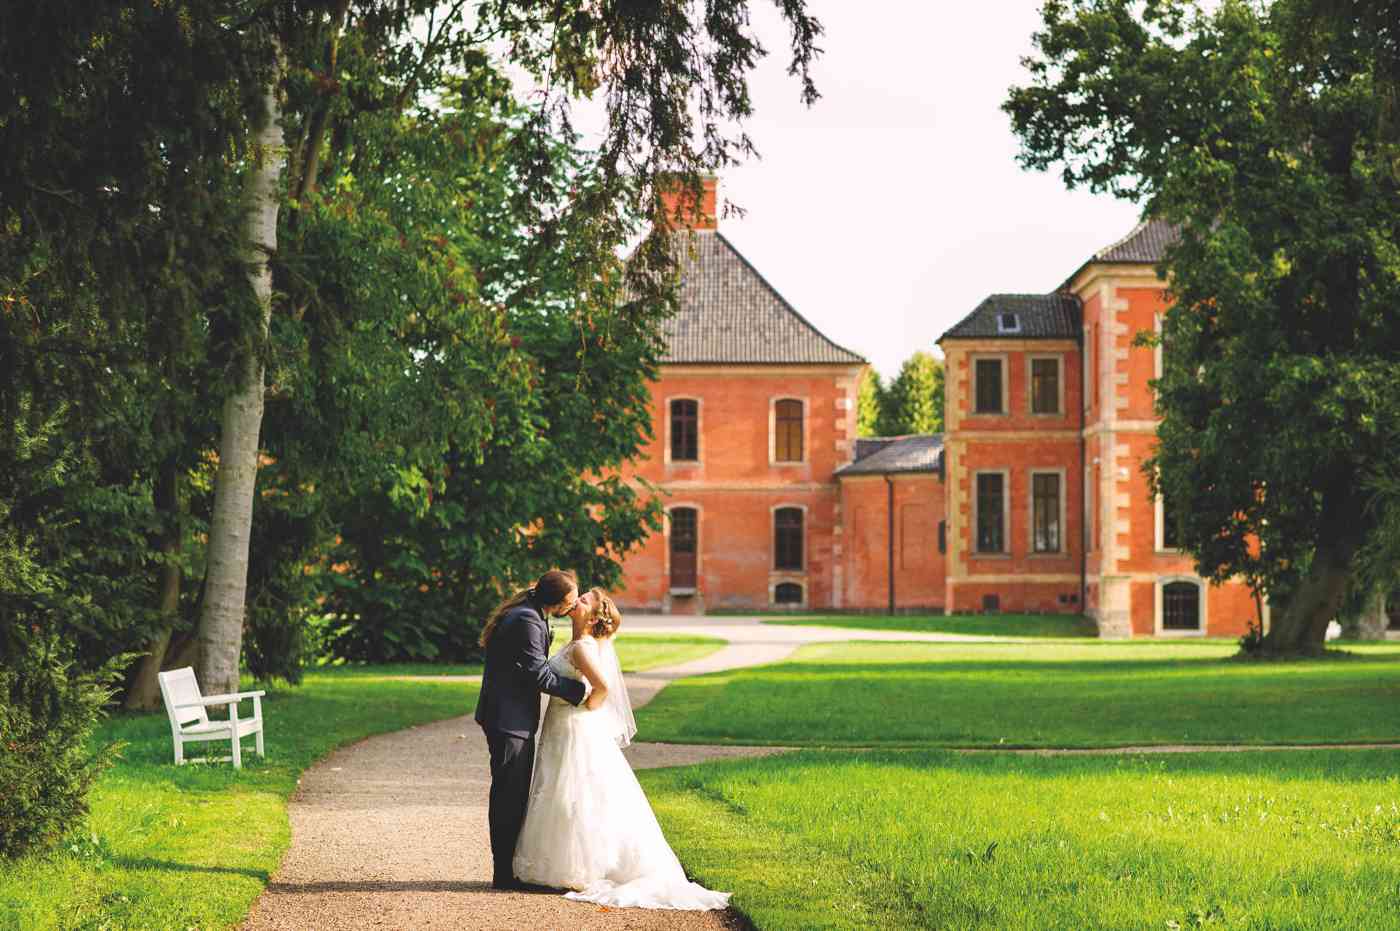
(1031, 501)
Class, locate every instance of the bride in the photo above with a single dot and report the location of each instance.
(589, 827)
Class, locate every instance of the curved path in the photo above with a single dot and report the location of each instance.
(391, 832)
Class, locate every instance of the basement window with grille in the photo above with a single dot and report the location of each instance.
(1008, 323)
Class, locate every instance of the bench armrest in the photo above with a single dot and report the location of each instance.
(221, 699)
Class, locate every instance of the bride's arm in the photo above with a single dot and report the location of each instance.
(585, 660)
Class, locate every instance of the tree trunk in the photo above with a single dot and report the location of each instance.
(221, 618)
(1300, 629)
(144, 694)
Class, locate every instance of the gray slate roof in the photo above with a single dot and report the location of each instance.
(889, 455)
(1041, 316)
(1146, 244)
(729, 314)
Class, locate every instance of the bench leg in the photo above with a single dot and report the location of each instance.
(237, 752)
(258, 735)
(179, 752)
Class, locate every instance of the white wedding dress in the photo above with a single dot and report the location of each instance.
(588, 826)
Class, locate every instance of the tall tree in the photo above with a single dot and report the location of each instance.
(913, 402)
(869, 403)
(674, 79)
(1267, 134)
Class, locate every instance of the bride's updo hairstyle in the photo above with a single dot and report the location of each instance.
(551, 589)
(605, 619)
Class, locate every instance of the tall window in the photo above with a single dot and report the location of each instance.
(787, 440)
(685, 430)
(988, 377)
(1045, 386)
(684, 536)
(1181, 606)
(787, 538)
(1045, 508)
(991, 515)
(1171, 526)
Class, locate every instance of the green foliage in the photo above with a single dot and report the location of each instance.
(911, 403)
(47, 713)
(914, 401)
(1267, 135)
(870, 400)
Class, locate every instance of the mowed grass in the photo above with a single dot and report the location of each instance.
(983, 625)
(1092, 694)
(191, 847)
(937, 839)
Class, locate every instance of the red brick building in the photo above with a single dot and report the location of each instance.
(1049, 417)
(753, 414)
(1032, 500)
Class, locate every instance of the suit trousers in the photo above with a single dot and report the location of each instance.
(512, 761)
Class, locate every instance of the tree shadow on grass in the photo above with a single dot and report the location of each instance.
(151, 863)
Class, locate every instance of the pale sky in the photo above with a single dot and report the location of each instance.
(888, 210)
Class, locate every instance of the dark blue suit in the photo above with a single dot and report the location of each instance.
(516, 671)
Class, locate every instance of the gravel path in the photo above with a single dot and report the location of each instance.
(391, 832)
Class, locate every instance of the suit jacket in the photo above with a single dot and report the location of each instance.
(517, 671)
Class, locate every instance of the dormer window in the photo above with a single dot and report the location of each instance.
(1008, 323)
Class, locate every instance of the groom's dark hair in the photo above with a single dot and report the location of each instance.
(550, 589)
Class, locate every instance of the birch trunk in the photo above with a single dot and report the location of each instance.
(221, 618)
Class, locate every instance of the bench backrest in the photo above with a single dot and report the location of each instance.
(177, 687)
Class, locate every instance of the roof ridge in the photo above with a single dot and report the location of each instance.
(787, 305)
(1141, 225)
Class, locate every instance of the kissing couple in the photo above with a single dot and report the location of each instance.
(582, 822)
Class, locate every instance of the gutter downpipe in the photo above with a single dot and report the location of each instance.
(1083, 466)
(889, 484)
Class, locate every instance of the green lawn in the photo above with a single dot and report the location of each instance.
(1000, 625)
(1284, 840)
(1090, 694)
(193, 846)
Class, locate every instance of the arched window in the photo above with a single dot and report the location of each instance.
(684, 536)
(787, 593)
(1181, 606)
(787, 539)
(787, 431)
(685, 430)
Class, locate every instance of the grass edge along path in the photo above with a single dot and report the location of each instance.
(194, 846)
(899, 839)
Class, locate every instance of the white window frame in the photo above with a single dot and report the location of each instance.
(973, 359)
(1030, 512)
(1059, 360)
(1158, 588)
(773, 430)
(699, 433)
(1005, 552)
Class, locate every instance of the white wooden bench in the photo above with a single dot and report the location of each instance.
(189, 721)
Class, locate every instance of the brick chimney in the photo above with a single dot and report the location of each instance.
(678, 206)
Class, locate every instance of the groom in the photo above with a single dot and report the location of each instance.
(517, 670)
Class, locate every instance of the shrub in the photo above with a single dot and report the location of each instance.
(47, 713)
